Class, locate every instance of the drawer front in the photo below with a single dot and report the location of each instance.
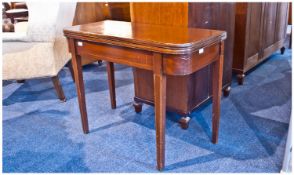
(120, 55)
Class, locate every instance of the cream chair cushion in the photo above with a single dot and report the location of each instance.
(44, 55)
(21, 27)
(42, 21)
(25, 60)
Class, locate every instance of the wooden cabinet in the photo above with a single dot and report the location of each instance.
(185, 93)
(260, 30)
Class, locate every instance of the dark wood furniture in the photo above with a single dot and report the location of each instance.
(17, 15)
(119, 11)
(18, 5)
(176, 51)
(16, 11)
(13, 12)
(185, 93)
(260, 30)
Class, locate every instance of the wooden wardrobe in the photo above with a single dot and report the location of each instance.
(260, 30)
(185, 93)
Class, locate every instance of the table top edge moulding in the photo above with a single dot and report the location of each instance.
(155, 38)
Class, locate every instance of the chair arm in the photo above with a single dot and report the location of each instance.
(61, 53)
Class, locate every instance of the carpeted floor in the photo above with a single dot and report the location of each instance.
(42, 134)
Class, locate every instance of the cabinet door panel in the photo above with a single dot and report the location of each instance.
(204, 15)
(281, 21)
(253, 35)
(172, 14)
(270, 13)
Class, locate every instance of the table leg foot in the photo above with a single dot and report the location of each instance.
(20, 81)
(137, 106)
(283, 50)
(161, 168)
(226, 91)
(184, 122)
(240, 78)
(99, 62)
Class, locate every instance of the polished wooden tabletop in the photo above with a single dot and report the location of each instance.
(166, 39)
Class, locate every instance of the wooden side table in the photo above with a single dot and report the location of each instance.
(163, 50)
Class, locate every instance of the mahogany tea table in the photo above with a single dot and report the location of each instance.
(164, 50)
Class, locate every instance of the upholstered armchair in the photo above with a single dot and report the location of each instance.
(38, 48)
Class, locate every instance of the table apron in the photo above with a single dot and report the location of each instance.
(121, 55)
(184, 64)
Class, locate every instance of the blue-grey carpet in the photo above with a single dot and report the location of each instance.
(42, 134)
